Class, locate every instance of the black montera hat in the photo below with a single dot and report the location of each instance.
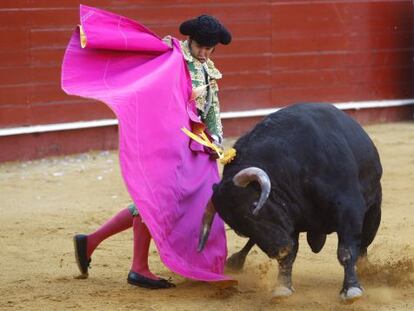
(206, 30)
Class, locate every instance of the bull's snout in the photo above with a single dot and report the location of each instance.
(279, 253)
(284, 252)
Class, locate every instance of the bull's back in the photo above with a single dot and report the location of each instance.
(297, 124)
(318, 138)
(333, 125)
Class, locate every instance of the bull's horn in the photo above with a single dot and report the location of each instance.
(244, 177)
(208, 218)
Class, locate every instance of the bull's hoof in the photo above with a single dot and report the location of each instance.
(235, 262)
(351, 294)
(281, 292)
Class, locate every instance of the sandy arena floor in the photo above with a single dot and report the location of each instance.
(44, 202)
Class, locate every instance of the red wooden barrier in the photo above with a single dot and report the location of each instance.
(283, 52)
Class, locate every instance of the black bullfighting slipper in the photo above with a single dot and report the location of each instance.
(142, 281)
(80, 243)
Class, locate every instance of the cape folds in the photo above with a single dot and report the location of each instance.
(148, 87)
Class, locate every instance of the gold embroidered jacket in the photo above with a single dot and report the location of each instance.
(207, 103)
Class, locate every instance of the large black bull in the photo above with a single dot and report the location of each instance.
(306, 168)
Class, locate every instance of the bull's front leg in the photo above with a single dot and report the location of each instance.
(286, 258)
(347, 256)
(236, 261)
(349, 242)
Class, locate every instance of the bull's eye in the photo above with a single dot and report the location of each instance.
(253, 206)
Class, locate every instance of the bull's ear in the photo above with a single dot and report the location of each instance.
(215, 187)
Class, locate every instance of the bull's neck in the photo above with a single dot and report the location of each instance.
(289, 203)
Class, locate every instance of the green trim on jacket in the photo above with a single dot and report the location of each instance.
(207, 103)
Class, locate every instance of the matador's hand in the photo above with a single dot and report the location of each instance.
(168, 41)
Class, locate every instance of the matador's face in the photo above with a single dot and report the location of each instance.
(202, 53)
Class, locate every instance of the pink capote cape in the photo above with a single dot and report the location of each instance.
(148, 87)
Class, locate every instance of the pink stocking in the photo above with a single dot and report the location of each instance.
(142, 239)
(118, 223)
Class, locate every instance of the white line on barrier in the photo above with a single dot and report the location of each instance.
(224, 115)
